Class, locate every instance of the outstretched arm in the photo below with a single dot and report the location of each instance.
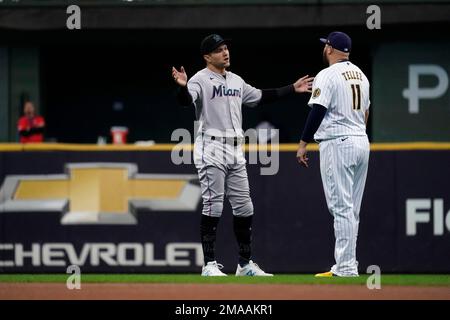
(303, 84)
(180, 77)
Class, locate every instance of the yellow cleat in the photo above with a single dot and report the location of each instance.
(327, 274)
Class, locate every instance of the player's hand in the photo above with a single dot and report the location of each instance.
(301, 154)
(180, 77)
(304, 84)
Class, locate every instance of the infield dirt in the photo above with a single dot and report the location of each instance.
(136, 291)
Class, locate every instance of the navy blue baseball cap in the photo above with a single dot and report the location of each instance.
(338, 40)
(211, 42)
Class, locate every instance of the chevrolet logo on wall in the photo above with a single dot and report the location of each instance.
(99, 193)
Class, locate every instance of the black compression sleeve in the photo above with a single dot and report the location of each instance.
(313, 122)
(270, 95)
(183, 96)
(208, 231)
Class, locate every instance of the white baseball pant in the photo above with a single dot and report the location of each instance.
(343, 167)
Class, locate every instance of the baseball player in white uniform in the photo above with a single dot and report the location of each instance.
(218, 96)
(340, 109)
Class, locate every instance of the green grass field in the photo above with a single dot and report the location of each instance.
(390, 279)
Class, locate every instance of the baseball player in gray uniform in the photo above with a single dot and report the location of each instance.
(218, 96)
(340, 109)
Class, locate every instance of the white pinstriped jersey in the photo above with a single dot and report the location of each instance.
(218, 101)
(343, 89)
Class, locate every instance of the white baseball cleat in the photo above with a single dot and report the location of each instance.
(251, 269)
(212, 269)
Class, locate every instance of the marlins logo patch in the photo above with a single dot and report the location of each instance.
(316, 93)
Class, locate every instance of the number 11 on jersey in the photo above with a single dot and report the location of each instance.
(356, 93)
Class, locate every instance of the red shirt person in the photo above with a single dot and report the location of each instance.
(30, 126)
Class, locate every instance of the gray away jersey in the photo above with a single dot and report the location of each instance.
(343, 89)
(218, 101)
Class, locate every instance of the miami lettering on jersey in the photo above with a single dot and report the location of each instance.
(220, 91)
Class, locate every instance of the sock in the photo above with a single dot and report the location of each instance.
(243, 232)
(208, 230)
